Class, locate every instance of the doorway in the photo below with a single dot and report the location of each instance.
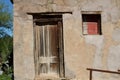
(48, 45)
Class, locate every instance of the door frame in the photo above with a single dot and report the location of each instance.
(61, 43)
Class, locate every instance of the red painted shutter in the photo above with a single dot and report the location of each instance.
(92, 28)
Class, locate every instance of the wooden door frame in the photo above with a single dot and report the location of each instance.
(61, 49)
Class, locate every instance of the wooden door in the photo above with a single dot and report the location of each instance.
(48, 49)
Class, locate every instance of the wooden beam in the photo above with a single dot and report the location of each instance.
(99, 70)
(118, 70)
(47, 19)
(49, 13)
(106, 71)
(90, 74)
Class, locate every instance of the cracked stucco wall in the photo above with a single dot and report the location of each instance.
(80, 51)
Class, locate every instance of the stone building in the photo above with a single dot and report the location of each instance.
(60, 39)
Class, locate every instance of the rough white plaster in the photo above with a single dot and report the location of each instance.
(114, 61)
(116, 34)
(69, 73)
(98, 42)
(114, 58)
(115, 14)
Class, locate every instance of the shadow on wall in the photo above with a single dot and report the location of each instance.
(69, 74)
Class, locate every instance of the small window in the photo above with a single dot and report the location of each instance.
(91, 24)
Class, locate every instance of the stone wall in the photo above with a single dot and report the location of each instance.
(80, 51)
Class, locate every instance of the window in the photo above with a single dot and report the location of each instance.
(91, 24)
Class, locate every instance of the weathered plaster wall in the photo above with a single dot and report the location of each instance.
(23, 48)
(81, 51)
